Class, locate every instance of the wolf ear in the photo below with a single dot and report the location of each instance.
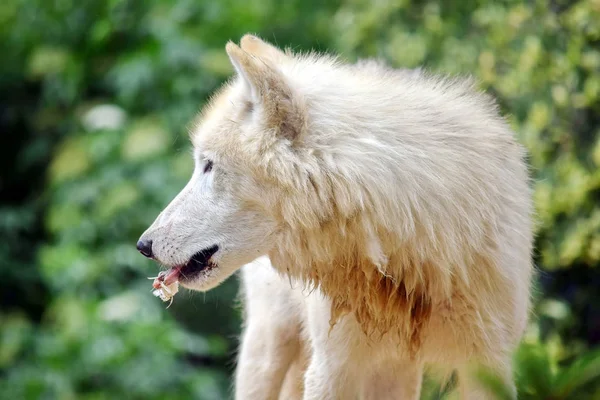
(268, 88)
(254, 45)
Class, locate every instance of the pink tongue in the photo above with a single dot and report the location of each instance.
(172, 275)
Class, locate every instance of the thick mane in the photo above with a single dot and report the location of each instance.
(385, 216)
(386, 296)
(389, 284)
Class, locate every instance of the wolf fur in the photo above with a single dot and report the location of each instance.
(383, 219)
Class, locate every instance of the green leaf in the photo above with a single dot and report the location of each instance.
(494, 384)
(583, 371)
(534, 369)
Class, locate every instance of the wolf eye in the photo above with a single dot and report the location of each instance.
(208, 166)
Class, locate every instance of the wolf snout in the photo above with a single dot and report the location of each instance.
(145, 247)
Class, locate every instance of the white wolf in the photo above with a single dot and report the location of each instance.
(400, 200)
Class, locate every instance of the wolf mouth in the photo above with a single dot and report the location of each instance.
(198, 263)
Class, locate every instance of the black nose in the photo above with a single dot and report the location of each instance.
(145, 247)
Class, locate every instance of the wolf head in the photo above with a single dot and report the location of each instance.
(244, 143)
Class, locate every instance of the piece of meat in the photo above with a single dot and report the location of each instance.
(166, 285)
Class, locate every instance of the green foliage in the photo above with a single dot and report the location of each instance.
(542, 373)
(96, 99)
(540, 376)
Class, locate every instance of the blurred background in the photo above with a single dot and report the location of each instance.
(96, 98)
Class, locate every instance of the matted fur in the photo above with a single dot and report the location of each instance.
(400, 200)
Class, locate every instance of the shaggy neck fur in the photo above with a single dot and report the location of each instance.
(395, 244)
(397, 303)
(390, 191)
(384, 281)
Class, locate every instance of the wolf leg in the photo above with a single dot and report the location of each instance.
(271, 338)
(471, 389)
(394, 381)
